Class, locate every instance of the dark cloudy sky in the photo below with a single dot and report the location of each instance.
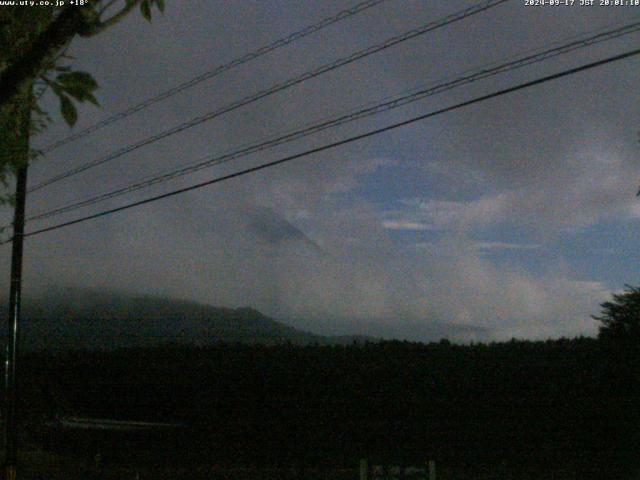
(514, 217)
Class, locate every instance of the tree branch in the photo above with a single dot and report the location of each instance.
(99, 26)
(66, 25)
(107, 6)
(70, 22)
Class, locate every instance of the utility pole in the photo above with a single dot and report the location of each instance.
(15, 295)
(13, 323)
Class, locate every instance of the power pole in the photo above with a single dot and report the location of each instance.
(15, 292)
(13, 323)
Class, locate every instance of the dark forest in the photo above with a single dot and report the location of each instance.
(516, 408)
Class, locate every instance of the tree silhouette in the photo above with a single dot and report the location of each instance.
(620, 318)
(33, 42)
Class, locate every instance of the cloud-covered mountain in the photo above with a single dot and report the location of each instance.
(498, 218)
(97, 320)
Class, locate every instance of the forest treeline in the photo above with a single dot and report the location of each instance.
(542, 406)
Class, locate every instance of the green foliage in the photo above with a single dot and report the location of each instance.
(20, 30)
(78, 85)
(620, 317)
(145, 7)
(68, 110)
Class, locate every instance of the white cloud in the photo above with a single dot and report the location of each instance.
(507, 246)
(455, 215)
(595, 184)
(465, 288)
(405, 225)
(526, 160)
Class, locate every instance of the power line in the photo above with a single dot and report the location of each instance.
(480, 74)
(460, 15)
(296, 134)
(355, 138)
(360, 7)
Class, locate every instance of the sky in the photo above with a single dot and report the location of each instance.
(514, 217)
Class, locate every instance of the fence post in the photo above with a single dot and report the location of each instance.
(364, 469)
(432, 470)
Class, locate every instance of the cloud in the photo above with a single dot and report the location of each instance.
(551, 160)
(293, 245)
(364, 286)
(595, 185)
(506, 245)
(431, 214)
(405, 225)
(468, 289)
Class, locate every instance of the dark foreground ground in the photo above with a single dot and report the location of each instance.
(37, 464)
(565, 409)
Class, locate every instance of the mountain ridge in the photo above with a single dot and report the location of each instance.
(105, 320)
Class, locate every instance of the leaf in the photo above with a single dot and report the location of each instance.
(92, 99)
(79, 85)
(145, 9)
(78, 79)
(68, 110)
(57, 88)
(160, 4)
(77, 93)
